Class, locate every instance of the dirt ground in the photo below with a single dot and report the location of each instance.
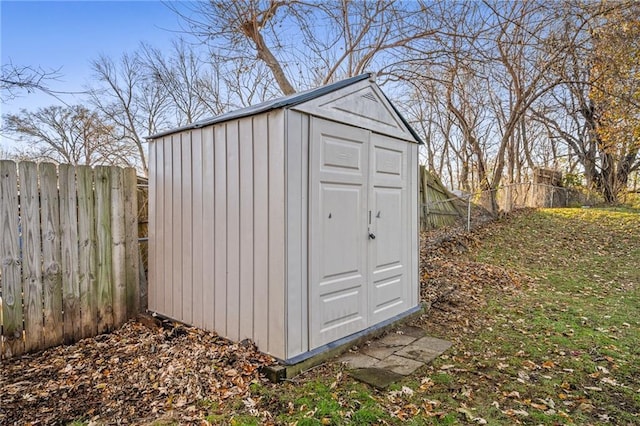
(149, 370)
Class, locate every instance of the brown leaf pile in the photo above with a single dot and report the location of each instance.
(454, 288)
(135, 374)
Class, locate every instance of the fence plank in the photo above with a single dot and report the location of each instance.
(11, 285)
(86, 251)
(51, 254)
(31, 255)
(132, 250)
(118, 249)
(69, 245)
(103, 249)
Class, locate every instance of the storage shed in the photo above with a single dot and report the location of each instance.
(293, 223)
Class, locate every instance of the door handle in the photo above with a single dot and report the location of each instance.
(372, 235)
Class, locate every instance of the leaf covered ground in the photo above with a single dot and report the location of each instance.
(543, 308)
(145, 372)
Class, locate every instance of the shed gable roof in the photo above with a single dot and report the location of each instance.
(357, 98)
(362, 104)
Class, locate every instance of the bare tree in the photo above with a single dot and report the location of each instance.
(15, 79)
(474, 77)
(135, 104)
(308, 42)
(73, 135)
(191, 84)
(236, 28)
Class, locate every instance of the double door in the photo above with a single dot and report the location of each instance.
(359, 230)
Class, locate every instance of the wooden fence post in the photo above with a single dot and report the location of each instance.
(69, 227)
(11, 286)
(87, 251)
(103, 249)
(118, 248)
(51, 255)
(31, 264)
(132, 250)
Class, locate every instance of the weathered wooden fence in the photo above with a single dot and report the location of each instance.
(68, 253)
(437, 205)
(518, 195)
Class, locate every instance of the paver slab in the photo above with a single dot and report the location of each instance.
(377, 377)
(380, 350)
(395, 339)
(398, 364)
(432, 344)
(418, 354)
(357, 360)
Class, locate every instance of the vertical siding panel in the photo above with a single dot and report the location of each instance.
(176, 245)
(233, 232)
(198, 228)
(261, 232)
(295, 251)
(220, 178)
(151, 231)
(209, 237)
(277, 234)
(156, 226)
(186, 265)
(297, 181)
(246, 228)
(168, 178)
(414, 227)
(304, 226)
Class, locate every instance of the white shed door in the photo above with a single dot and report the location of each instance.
(389, 206)
(338, 231)
(357, 251)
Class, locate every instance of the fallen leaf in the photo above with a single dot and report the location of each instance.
(586, 407)
(609, 381)
(521, 413)
(541, 407)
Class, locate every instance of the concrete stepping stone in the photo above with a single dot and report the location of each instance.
(357, 360)
(395, 339)
(379, 378)
(399, 365)
(379, 349)
(425, 349)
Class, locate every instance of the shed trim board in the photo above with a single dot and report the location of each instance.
(290, 223)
